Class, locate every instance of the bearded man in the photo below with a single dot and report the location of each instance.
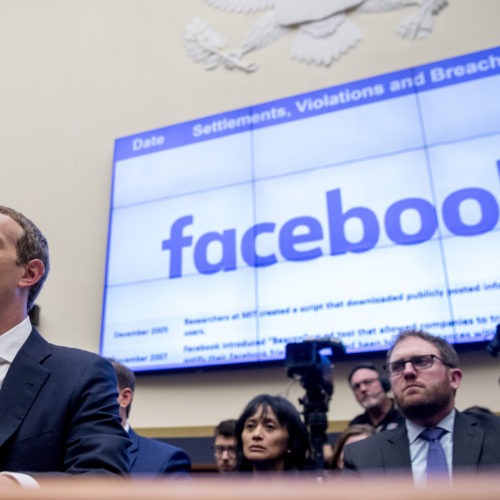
(435, 439)
(370, 388)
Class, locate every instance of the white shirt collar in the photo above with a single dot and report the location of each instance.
(414, 430)
(12, 340)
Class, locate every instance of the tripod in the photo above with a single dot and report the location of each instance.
(315, 404)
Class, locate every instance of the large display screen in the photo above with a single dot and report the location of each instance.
(350, 212)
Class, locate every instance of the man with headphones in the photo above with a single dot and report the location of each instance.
(370, 388)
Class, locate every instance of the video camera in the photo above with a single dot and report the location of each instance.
(309, 360)
(315, 369)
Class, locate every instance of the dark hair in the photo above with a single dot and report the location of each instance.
(125, 377)
(226, 428)
(31, 245)
(352, 430)
(384, 381)
(288, 416)
(446, 351)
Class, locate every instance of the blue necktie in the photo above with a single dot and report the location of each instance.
(436, 459)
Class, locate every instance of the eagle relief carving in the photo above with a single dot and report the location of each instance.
(323, 30)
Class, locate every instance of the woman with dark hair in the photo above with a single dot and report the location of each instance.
(270, 436)
(351, 434)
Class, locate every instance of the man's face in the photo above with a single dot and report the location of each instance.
(225, 453)
(367, 389)
(421, 394)
(10, 272)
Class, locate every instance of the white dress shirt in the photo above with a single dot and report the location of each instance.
(419, 447)
(10, 344)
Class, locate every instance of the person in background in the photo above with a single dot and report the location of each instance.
(225, 446)
(271, 436)
(350, 434)
(58, 405)
(370, 388)
(436, 438)
(147, 456)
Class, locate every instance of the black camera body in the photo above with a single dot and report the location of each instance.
(316, 375)
(315, 369)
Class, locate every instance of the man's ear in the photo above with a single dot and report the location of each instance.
(125, 397)
(33, 272)
(455, 377)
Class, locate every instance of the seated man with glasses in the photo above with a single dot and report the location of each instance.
(225, 446)
(370, 388)
(436, 438)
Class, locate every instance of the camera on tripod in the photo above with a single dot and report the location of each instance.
(310, 361)
(314, 367)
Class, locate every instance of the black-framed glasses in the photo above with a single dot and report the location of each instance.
(219, 450)
(422, 362)
(369, 381)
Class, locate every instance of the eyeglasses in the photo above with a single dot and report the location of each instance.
(369, 381)
(423, 362)
(219, 450)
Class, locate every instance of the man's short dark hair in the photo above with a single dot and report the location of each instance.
(31, 245)
(446, 351)
(366, 366)
(384, 381)
(125, 377)
(226, 428)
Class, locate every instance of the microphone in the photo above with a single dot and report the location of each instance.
(494, 346)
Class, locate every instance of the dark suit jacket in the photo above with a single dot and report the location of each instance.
(476, 446)
(150, 456)
(59, 413)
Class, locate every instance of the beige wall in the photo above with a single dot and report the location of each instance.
(76, 74)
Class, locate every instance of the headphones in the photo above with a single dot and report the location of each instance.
(384, 380)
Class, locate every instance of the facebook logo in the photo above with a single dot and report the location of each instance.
(294, 233)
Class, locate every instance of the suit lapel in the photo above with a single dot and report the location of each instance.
(467, 441)
(133, 449)
(396, 450)
(23, 382)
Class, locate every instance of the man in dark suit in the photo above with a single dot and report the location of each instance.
(147, 456)
(424, 376)
(58, 409)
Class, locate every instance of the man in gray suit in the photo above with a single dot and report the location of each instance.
(424, 375)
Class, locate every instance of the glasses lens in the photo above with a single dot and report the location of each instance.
(367, 382)
(418, 363)
(422, 362)
(219, 450)
(396, 367)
